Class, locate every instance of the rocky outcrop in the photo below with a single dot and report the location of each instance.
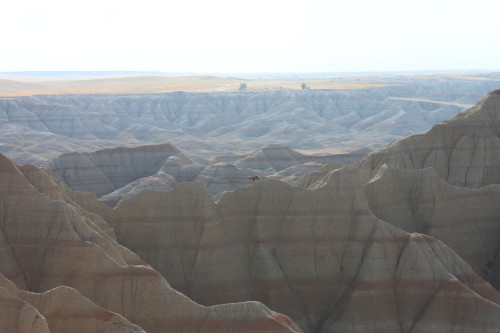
(160, 181)
(64, 310)
(292, 174)
(182, 172)
(277, 157)
(106, 170)
(310, 178)
(420, 201)
(115, 174)
(202, 123)
(322, 252)
(18, 315)
(50, 243)
(222, 177)
(464, 150)
(318, 255)
(349, 250)
(252, 245)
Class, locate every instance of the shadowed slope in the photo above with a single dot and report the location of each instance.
(420, 201)
(106, 170)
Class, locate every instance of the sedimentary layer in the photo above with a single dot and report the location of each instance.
(464, 150)
(107, 170)
(351, 249)
(34, 129)
(48, 243)
(318, 255)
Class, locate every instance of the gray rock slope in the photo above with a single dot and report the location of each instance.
(321, 252)
(318, 255)
(464, 150)
(343, 252)
(36, 128)
(120, 172)
(106, 170)
(61, 267)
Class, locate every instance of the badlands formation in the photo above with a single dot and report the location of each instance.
(389, 245)
(118, 173)
(463, 150)
(115, 145)
(48, 241)
(207, 125)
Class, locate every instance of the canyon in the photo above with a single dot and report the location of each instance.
(210, 124)
(154, 237)
(311, 246)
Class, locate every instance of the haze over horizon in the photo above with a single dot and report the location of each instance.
(225, 36)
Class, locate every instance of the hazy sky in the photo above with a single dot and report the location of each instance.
(220, 36)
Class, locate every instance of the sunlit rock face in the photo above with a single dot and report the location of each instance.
(160, 181)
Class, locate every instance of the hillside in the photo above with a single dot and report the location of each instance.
(351, 249)
(35, 129)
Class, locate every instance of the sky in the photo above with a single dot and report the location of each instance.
(232, 36)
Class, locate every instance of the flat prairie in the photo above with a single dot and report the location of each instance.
(163, 84)
(61, 84)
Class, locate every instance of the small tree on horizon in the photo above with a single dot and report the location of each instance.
(304, 86)
(243, 86)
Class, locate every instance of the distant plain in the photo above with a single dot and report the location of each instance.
(31, 83)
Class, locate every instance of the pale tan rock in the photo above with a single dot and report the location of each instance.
(420, 201)
(66, 311)
(317, 255)
(47, 243)
(464, 150)
(17, 316)
(310, 178)
(160, 181)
